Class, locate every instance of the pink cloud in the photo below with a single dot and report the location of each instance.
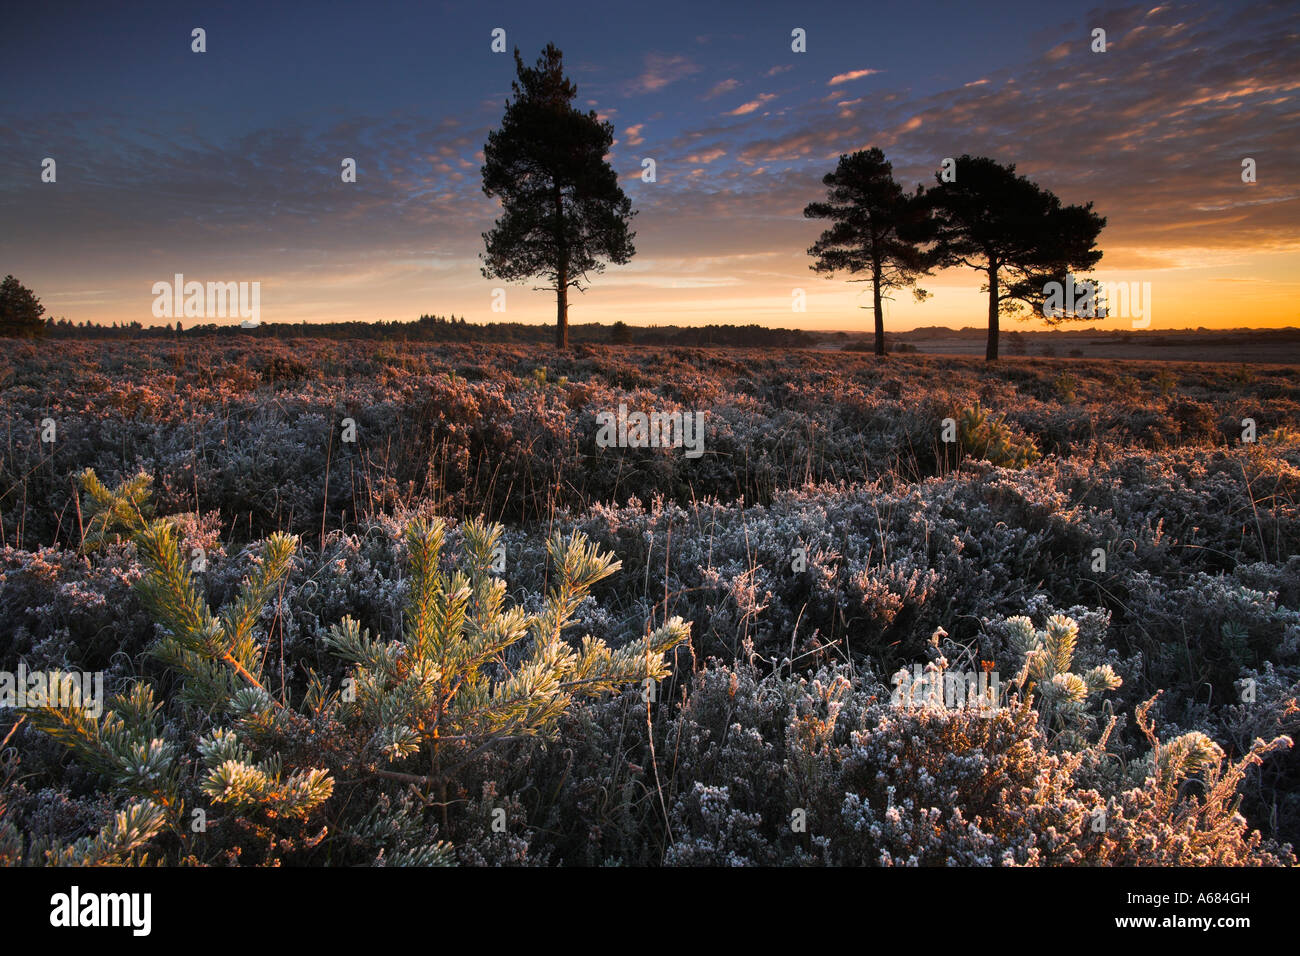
(662, 70)
(726, 86)
(706, 157)
(839, 78)
(746, 108)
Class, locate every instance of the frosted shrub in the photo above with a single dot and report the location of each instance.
(1046, 657)
(820, 541)
(442, 692)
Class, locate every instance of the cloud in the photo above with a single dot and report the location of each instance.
(633, 134)
(839, 78)
(846, 107)
(818, 139)
(706, 157)
(725, 86)
(662, 70)
(1156, 145)
(746, 108)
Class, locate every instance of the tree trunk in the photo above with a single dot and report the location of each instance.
(562, 311)
(991, 353)
(562, 277)
(880, 314)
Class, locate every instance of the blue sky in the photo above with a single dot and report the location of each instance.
(225, 165)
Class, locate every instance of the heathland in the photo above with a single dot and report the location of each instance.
(1116, 539)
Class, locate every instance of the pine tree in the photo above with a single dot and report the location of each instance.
(563, 212)
(20, 310)
(989, 437)
(1014, 231)
(446, 690)
(877, 229)
(467, 674)
(1047, 657)
(218, 660)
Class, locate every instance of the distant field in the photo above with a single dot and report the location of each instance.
(1255, 346)
(1108, 347)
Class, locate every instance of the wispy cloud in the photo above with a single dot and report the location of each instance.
(725, 86)
(746, 108)
(661, 70)
(706, 157)
(839, 78)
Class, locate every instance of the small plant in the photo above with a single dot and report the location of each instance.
(227, 711)
(414, 712)
(1047, 656)
(1242, 376)
(127, 508)
(989, 437)
(1205, 819)
(1282, 436)
(123, 841)
(1128, 388)
(1067, 387)
(448, 690)
(1166, 382)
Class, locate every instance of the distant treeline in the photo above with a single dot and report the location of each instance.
(435, 328)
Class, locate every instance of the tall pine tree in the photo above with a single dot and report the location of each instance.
(875, 229)
(1010, 229)
(564, 215)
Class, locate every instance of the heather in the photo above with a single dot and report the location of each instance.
(827, 538)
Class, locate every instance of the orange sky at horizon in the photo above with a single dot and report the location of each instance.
(1264, 295)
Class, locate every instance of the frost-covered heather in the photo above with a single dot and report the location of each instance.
(253, 430)
(826, 538)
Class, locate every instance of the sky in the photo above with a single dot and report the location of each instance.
(225, 165)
